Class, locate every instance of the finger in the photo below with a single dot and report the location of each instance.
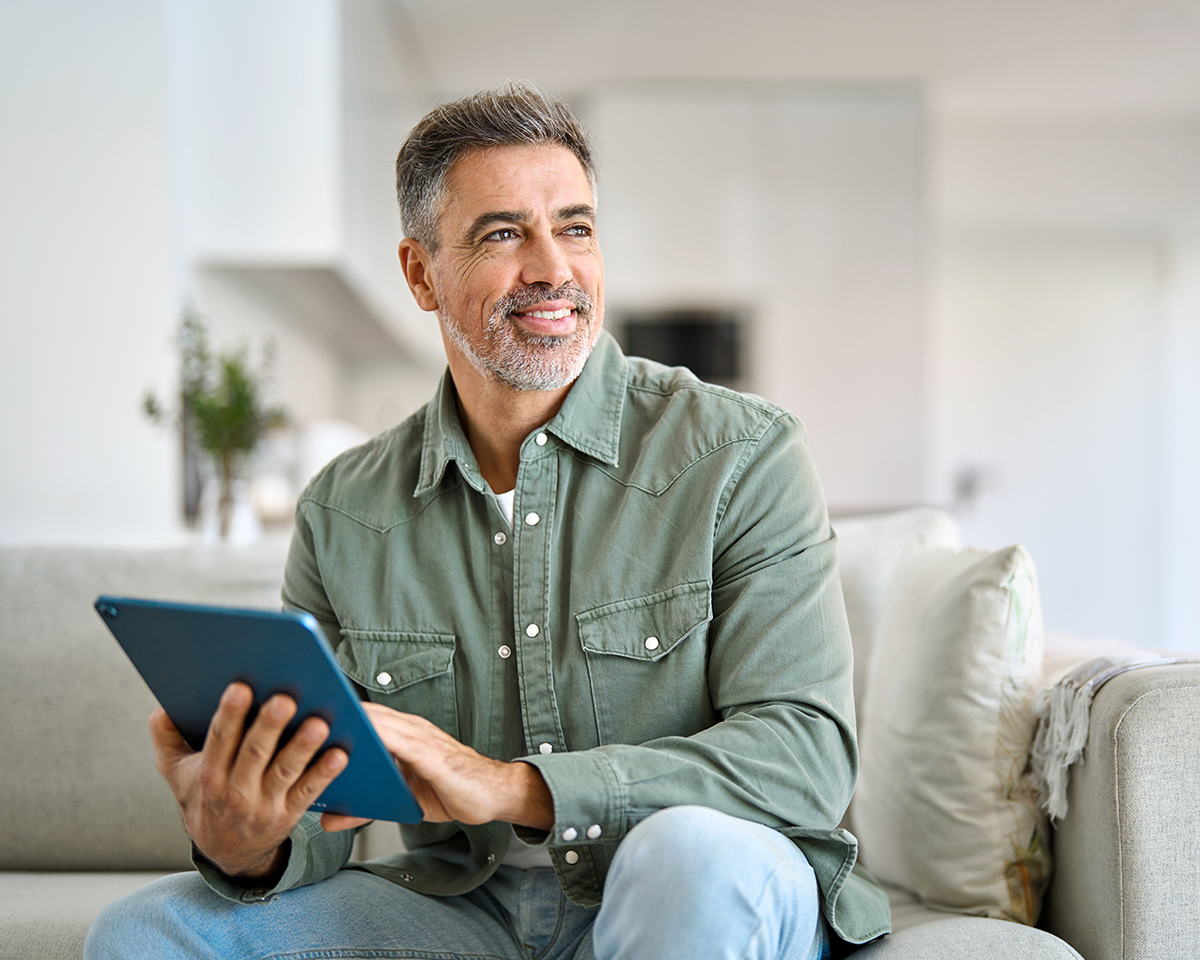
(408, 737)
(295, 756)
(165, 735)
(335, 822)
(169, 746)
(260, 742)
(427, 798)
(320, 775)
(225, 729)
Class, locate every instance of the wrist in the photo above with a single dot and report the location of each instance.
(528, 802)
(263, 871)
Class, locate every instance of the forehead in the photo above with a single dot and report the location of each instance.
(533, 179)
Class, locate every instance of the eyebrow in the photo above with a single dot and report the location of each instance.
(484, 220)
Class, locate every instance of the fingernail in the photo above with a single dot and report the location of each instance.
(236, 694)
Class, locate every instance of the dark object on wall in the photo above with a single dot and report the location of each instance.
(707, 342)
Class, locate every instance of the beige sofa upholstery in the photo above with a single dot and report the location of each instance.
(86, 817)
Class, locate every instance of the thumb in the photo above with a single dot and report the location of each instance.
(166, 736)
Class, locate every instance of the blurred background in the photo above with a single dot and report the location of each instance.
(961, 240)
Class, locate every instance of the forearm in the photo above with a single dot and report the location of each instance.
(774, 765)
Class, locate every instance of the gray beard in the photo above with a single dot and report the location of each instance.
(522, 361)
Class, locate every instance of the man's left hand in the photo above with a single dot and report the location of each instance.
(453, 782)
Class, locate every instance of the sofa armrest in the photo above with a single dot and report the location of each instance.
(1127, 854)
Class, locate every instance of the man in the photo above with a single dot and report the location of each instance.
(593, 604)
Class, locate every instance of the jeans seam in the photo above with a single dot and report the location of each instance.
(557, 928)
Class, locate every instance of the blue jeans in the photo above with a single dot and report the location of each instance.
(688, 883)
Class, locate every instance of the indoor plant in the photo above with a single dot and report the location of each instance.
(221, 412)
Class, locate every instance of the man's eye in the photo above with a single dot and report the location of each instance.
(579, 230)
(504, 233)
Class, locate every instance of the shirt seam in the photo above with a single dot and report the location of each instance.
(749, 438)
(342, 511)
(739, 471)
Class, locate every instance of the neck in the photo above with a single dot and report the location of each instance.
(497, 419)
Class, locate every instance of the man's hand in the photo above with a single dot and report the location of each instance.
(240, 799)
(453, 782)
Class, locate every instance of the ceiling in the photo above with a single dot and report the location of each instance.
(971, 57)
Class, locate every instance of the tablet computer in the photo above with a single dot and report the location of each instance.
(188, 654)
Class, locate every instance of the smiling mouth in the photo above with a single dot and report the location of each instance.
(545, 314)
(539, 311)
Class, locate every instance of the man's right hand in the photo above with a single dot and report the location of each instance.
(240, 799)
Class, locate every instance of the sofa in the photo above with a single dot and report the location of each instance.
(86, 817)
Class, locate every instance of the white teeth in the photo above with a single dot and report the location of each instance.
(548, 314)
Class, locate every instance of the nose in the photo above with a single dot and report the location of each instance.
(544, 261)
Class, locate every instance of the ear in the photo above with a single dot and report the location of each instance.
(417, 265)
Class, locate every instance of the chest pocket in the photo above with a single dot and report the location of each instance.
(411, 672)
(647, 664)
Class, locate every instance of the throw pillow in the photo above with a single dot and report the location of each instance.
(870, 548)
(945, 806)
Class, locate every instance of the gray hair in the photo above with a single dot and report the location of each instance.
(515, 114)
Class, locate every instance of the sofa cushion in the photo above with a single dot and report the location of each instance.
(944, 806)
(45, 916)
(870, 548)
(76, 755)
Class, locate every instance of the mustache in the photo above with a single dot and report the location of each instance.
(525, 297)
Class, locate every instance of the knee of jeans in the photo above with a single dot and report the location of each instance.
(123, 927)
(679, 840)
(717, 875)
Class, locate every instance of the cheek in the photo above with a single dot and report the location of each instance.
(467, 286)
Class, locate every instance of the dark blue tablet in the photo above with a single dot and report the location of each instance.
(188, 654)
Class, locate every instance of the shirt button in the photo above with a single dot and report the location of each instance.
(652, 643)
(500, 538)
(505, 652)
(569, 834)
(383, 678)
(571, 857)
(594, 831)
(546, 748)
(532, 630)
(532, 519)
(540, 439)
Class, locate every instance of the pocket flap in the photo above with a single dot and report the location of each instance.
(386, 661)
(646, 628)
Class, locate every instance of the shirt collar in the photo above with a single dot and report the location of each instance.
(589, 419)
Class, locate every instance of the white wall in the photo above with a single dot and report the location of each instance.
(802, 204)
(1067, 361)
(86, 271)
(258, 117)
(1179, 516)
(1053, 356)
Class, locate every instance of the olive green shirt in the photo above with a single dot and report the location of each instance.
(662, 625)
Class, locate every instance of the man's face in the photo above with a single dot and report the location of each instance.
(518, 278)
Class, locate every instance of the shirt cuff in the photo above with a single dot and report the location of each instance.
(589, 800)
(302, 865)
